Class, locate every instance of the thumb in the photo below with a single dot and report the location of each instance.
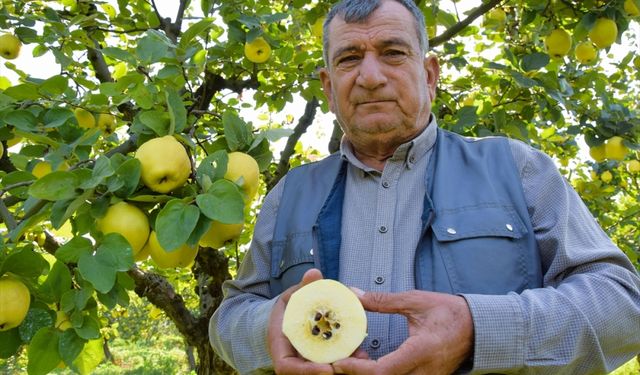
(310, 276)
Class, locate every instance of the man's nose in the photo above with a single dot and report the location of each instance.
(371, 74)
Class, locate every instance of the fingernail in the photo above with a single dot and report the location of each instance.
(357, 291)
(337, 369)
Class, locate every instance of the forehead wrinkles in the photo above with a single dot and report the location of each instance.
(389, 17)
(358, 36)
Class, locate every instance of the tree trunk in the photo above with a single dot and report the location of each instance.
(210, 364)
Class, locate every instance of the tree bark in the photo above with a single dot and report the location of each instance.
(210, 364)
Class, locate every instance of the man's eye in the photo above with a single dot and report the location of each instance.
(347, 60)
(394, 53)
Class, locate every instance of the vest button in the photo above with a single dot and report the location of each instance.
(379, 280)
(375, 343)
(382, 229)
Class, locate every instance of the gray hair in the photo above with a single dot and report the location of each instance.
(357, 11)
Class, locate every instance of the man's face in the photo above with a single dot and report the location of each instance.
(378, 83)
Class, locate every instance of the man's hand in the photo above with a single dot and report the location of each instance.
(285, 358)
(440, 335)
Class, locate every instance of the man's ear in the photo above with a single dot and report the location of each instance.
(325, 79)
(432, 70)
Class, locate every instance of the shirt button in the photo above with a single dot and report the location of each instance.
(382, 229)
(385, 184)
(375, 343)
(412, 159)
(510, 227)
(379, 280)
(451, 231)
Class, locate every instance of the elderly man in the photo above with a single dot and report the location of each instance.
(475, 255)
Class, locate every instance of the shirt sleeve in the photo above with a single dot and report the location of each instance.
(238, 328)
(586, 317)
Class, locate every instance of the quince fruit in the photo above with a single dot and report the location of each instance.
(178, 258)
(165, 164)
(631, 8)
(221, 233)
(43, 168)
(9, 46)
(14, 302)
(258, 50)
(586, 53)
(558, 43)
(604, 32)
(243, 169)
(106, 122)
(128, 220)
(633, 166)
(614, 148)
(324, 321)
(606, 177)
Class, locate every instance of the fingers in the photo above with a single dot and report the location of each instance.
(298, 366)
(400, 303)
(356, 366)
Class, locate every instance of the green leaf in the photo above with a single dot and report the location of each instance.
(56, 117)
(177, 111)
(90, 328)
(535, 61)
(25, 91)
(100, 269)
(175, 222)
(16, 178)
(119, 54)
(223, 202)
(63, 210)
(26, 263)
(70, 346)
(10, 342)
(22, 119)
(467, 117)
(43, 351)
(54, 86)
(35, 320)
(194, 30)
(150, 49)
(156, 121)
(523, 81)
(214, 166)
(73, 249)
(58, 282)
(101, 170)
(90, 357)
(236, 131)
(128, 172)
(55, 186)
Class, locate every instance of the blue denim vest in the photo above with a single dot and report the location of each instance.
(476, 232)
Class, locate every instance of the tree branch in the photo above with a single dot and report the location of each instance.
(161, 293)
(303, 124)
(455, 29)
(214, 83)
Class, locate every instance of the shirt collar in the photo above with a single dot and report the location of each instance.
(410, 152)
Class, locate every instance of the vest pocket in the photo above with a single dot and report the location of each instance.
(482, 248)
(292, 257)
